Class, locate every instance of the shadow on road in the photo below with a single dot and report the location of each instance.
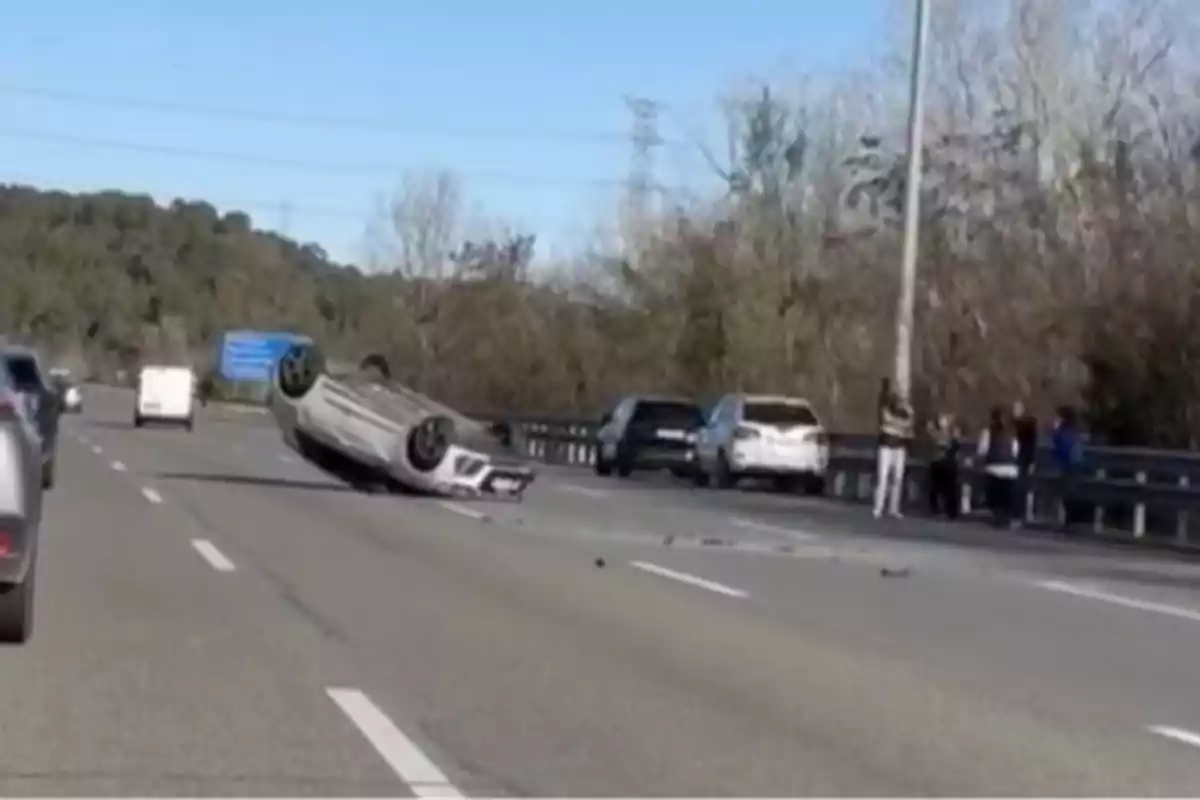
(253, 480)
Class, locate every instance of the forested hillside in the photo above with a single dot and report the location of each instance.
(97, 275)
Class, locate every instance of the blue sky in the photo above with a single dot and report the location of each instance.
(515, 96)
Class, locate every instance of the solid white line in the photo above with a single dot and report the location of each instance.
(749, 524)
(1119, 600)
(583, 490)
(401, 753)
(215, 558)
(691, 580)
(119, 466)
(152, 495)
(97, 449)
(463, 510)
(1178, 734)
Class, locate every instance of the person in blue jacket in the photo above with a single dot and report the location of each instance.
(1067, 444)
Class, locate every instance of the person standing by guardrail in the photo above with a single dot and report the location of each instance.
(1067, 444)
(944, 497)
(1025, 427)
(998, 450)
(895, 432)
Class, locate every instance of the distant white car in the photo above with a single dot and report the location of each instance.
(378, 435)
(763, 436)
(165, 394)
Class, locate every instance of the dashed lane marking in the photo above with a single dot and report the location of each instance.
(778, 530)
(690, 580)
(1182, 735)
(152, 495)
(403, 755)
(215, 558)
(463, 511)
(1089, 593)
(119, 466)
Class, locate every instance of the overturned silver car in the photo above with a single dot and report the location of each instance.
(377, 435)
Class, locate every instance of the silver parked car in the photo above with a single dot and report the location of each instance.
(376, 434)
(20, 511)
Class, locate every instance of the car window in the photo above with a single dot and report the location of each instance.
(24, 372)
(777, 413)
(667, 412)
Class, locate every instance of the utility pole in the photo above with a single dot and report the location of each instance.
(645, 139)
(912, 201)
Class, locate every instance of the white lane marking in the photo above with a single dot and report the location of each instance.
(215, 558)
(152, 495)
(463, 510)
(401, 753)
(1178, 734)
(583, 490)
(1120, 600)
(751, 525)
(119, 466)
(691, 580)
(97, 449)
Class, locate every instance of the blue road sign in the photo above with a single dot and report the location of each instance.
(251, 355)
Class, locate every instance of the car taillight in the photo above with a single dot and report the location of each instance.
(6, 544)
(742, 432)
(8, 411)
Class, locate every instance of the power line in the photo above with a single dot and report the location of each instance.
(300, 119)
(255, 160)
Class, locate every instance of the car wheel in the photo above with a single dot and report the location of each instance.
(189, 424)
(16, 610)
(700, 477)
(725, 477)
(602, 467)
(137, 421)
(786, 484)
(814, 485)
(48, 474)
(624, 464)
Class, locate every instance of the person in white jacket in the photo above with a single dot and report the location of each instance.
(895, 432)
(999, 452)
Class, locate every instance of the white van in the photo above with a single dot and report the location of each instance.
(165, 394)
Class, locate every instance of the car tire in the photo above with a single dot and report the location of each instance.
(725, 477)
(189, 425)
(814, 485)
(786, 484)
(602, 467)
(48, 474)
(16, 610)
(138, 421)
(700, 478)
(624, 464)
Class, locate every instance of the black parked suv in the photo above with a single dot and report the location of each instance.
(42, 401)
(648, 433)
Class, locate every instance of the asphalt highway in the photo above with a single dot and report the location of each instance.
(216, 618)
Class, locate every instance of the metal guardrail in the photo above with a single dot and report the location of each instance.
(1131, 493)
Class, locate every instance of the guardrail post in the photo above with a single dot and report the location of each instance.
(1181, 522)
(1139, 512)
(1098, 511)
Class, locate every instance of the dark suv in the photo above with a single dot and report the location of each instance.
(648, 433)
(42, 402)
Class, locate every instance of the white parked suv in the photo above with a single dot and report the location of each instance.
(763, 436)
